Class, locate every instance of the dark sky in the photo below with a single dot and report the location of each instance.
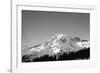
(39, 26)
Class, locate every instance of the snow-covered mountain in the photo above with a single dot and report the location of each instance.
(58, 43)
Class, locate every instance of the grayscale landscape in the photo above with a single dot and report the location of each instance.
(55, 36)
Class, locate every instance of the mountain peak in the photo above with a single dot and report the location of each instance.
(59, 35)
(60, 42)
(58, 45)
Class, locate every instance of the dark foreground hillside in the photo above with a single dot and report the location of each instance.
(82, 54)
